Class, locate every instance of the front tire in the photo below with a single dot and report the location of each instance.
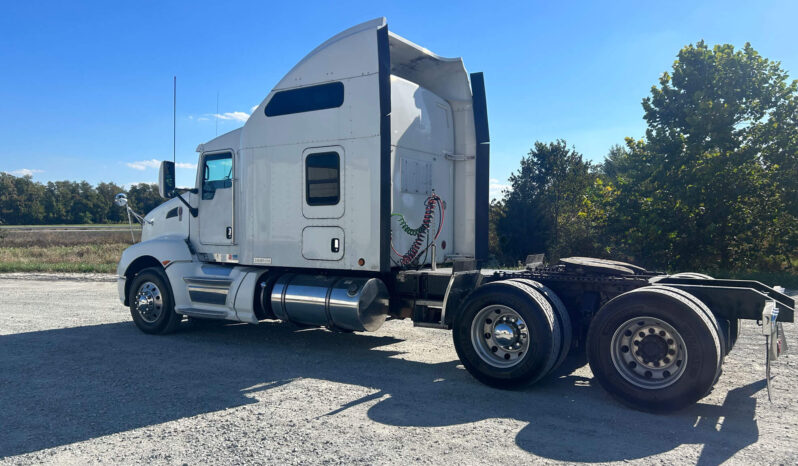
(151, 303)
(655, 350)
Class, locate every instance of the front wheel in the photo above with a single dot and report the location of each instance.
(151, 304)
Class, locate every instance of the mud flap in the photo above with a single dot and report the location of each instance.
(775, 343)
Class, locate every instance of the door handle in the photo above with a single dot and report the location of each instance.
(229, 232)
(335, 245)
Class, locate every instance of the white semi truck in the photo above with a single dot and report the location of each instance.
(357, 191)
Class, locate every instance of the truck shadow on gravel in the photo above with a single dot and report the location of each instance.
(68, 385)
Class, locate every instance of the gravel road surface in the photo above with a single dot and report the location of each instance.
(80, 384)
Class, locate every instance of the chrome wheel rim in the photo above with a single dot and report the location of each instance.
(648, 352)
(500, 336)
(149, 302)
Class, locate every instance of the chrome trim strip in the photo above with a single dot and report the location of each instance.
(209, 282)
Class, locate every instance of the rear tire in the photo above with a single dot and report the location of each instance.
(151, 303)
(560, 312)
(655, 349)
(730, 329)
(734, 332)
(507, 335)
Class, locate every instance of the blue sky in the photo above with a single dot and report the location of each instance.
(86, 87)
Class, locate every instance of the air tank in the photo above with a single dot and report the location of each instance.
(345, 303)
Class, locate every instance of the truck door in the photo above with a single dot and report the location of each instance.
(323, 206)
(216, 199)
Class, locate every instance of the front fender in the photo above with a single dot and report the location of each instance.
(164, 250)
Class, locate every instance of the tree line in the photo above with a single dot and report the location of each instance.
(713, 185)
(27, 202)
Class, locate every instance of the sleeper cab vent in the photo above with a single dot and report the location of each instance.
(416, 176)
(306, 99)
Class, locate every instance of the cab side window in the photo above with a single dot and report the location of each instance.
(217, 174)
(323, 179)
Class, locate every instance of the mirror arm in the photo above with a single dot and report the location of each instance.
(194, 211)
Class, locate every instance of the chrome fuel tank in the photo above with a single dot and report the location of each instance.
(347, 303)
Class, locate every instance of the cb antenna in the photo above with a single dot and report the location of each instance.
(174, 120)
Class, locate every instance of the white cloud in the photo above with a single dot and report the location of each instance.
(497, 189)
(237, 116)
(25, 172)
(253, 109)
(227, 116)
(144, 164)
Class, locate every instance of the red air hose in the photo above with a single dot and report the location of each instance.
(429, 212)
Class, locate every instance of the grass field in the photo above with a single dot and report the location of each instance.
(63, 248)
(77, 258)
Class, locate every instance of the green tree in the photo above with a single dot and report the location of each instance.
(24, 201)
(143, 197)
(107, 192)
(708, 184)
(546, 209)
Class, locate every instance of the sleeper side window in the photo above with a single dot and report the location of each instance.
(323, 179)
(306, 99)
(217, 174)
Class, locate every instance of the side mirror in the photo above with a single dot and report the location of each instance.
(166, 180)
(120, 200)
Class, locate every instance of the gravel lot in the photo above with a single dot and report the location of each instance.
(80, 384)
